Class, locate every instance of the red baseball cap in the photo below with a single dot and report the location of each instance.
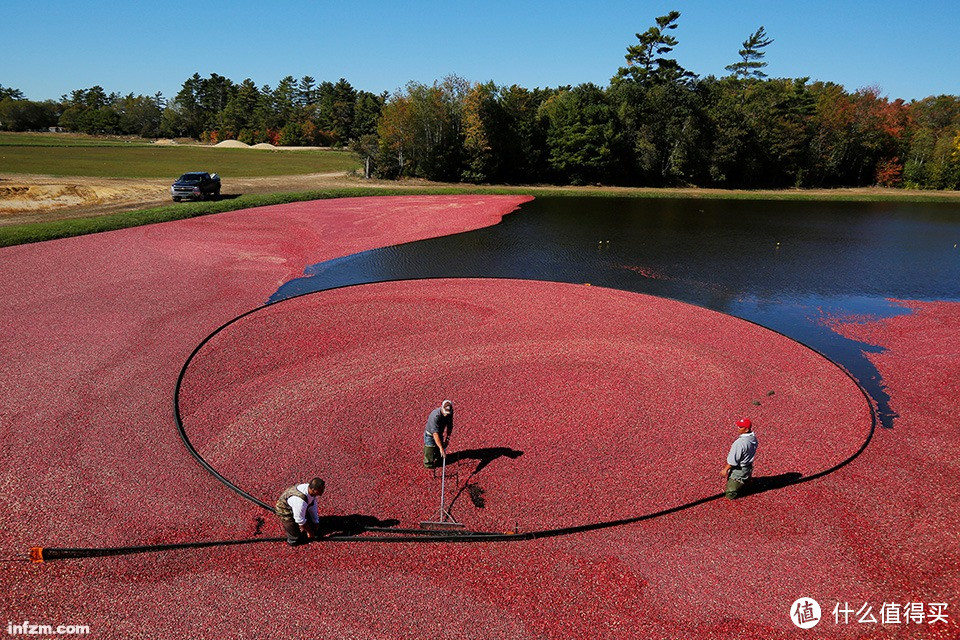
(744, 423)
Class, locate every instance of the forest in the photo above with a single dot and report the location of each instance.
(654, 124)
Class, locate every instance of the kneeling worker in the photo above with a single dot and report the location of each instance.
(740, 459)
(297, 510)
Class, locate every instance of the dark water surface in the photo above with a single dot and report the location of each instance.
(784, 265)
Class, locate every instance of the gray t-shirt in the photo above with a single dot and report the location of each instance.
(439, 424)
(743, 450)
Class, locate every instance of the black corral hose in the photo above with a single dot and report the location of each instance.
(394, 534)
(387, 534)
(44, 554)
(193, 452)
(179, 421)
(47, 554)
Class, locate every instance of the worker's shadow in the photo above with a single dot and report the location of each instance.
(762, 484)
(352, 525)
(483, 457)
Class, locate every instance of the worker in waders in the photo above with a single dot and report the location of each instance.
(739, 466)
(297, 510)
(436, 435)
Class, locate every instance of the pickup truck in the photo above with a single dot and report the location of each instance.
(197, 184)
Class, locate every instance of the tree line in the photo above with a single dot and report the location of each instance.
(654, 124)
(295, 113)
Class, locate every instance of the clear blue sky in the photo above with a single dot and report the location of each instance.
(909, 49)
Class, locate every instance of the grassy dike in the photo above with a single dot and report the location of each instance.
(141, 161)
(52, 230)
(41, 231)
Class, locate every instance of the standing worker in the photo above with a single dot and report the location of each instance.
(436, 435)
(739, 466)
(297, 510)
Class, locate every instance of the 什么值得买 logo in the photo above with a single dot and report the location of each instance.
(805, 613)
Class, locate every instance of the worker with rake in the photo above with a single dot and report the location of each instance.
(436, 435)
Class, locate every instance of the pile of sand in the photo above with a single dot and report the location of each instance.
(263, 145)
(164, 141)
(24, 197)
(232, 144)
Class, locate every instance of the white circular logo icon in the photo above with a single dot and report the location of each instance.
(805, 613)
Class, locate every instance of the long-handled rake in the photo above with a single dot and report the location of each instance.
(444, 520)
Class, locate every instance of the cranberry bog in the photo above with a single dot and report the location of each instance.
(591, 427)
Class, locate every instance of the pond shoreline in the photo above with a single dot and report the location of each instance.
(101, 216)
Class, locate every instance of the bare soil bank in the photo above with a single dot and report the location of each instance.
(36, 198)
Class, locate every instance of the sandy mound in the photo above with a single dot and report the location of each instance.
(20, 198)
(164, 141)
(263, 145)
(232, 144)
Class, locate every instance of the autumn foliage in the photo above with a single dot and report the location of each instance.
(655, 124)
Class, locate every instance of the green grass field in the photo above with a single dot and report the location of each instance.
(68, 140)
(59, 155)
